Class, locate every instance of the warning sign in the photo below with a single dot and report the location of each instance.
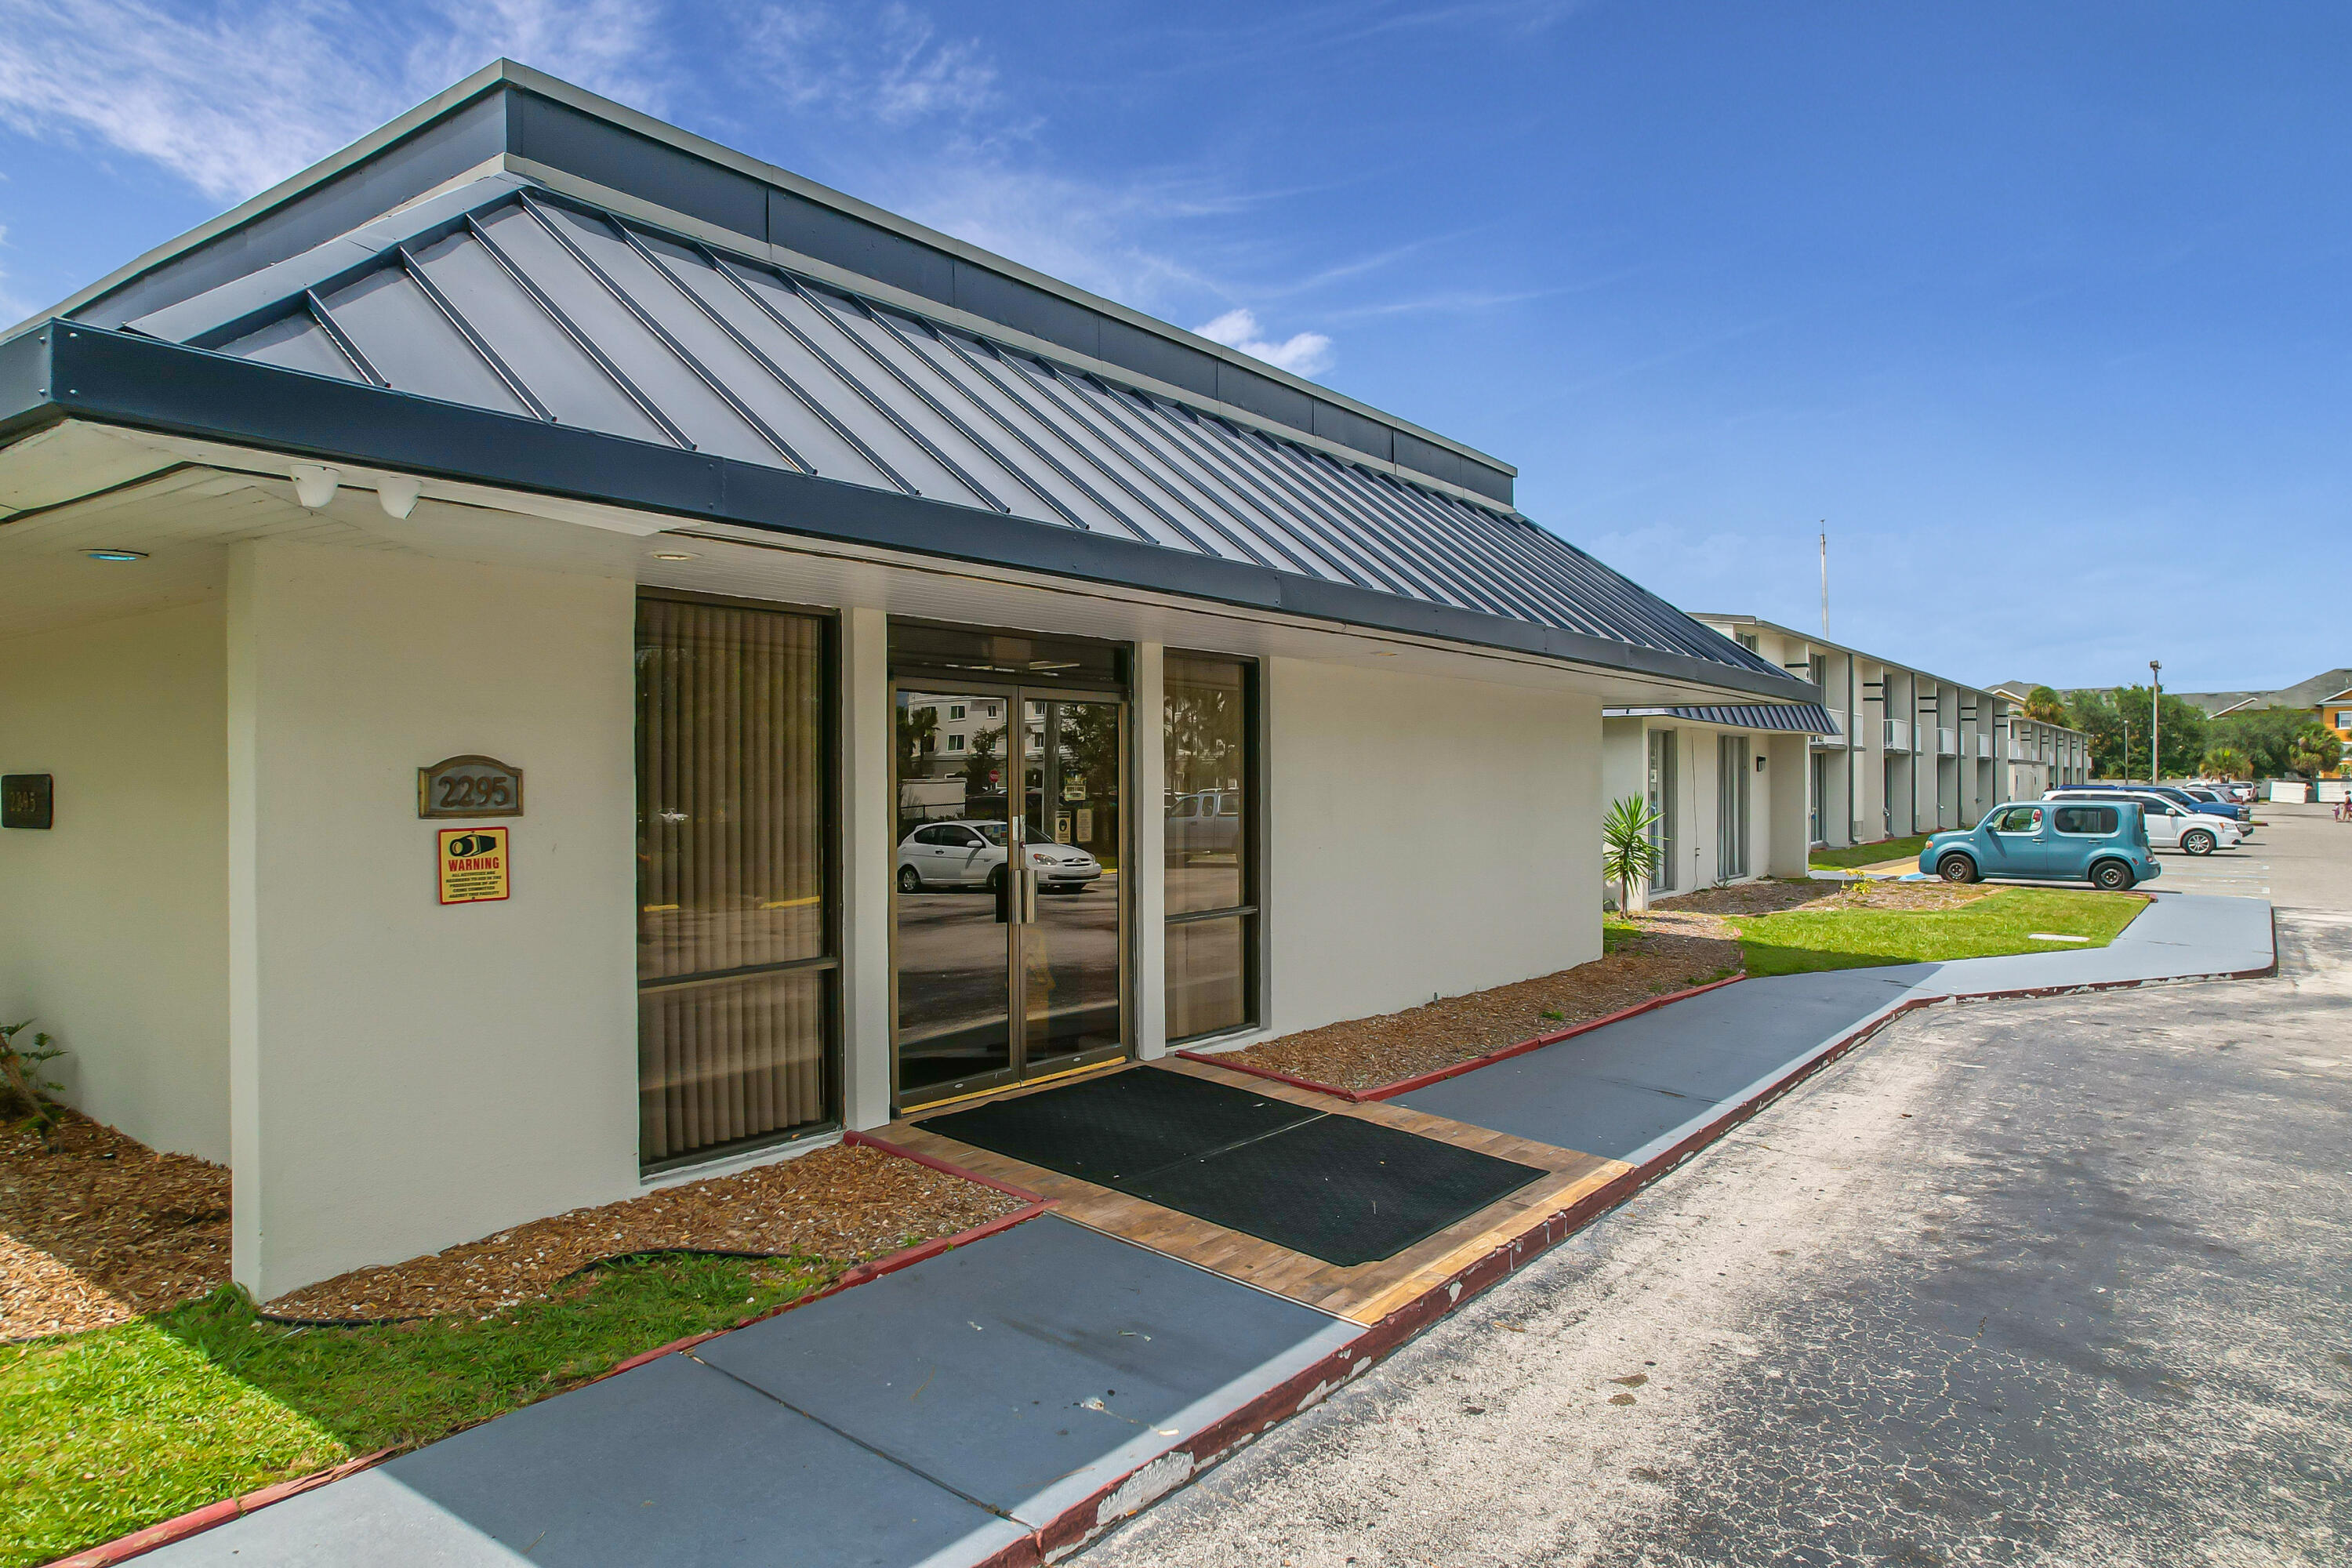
(473, 865)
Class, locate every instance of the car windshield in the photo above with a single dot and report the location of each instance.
(991, 831)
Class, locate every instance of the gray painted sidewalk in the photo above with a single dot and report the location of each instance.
(1634, 1089)
(941, 1413)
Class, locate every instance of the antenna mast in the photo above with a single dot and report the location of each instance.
(1825, 578)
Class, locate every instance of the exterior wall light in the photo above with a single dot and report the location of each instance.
(116, 554)
(397, 494)
(314, 485)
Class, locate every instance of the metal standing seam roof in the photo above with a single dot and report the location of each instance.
(505, 297)
(1794, 718)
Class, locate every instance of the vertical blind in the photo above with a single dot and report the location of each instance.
(735, 968)
(1211, 844)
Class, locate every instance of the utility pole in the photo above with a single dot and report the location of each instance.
(2155, 721)
(1825, 578)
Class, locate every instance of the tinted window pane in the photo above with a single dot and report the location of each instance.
(732, 834)
(1207, 990)
(1207, 789)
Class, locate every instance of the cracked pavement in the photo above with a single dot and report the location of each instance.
(2059, 1280)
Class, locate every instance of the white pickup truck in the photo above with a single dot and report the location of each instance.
(2169, 827)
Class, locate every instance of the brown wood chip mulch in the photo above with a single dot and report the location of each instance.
(1684, 941)
(842, 1205)
(1366, 1053)
(97, 1229)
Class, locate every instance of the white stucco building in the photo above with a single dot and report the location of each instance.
(497, 615)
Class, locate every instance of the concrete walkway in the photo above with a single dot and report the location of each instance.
(1012, 1397)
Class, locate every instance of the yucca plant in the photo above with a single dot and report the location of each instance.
(1627, 853)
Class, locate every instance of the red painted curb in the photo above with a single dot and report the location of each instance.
(195, 1521)
(198, 1520)
(1421, 1080)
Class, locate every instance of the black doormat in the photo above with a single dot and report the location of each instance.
(1337, 1188)
(1333, 1187)
(1106, 1130)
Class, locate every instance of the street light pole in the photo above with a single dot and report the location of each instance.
(2154, 720)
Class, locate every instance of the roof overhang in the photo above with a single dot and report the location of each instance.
(67, 372)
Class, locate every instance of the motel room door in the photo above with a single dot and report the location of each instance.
(1008, 950)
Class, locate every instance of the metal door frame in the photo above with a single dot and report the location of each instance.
(1022, 891)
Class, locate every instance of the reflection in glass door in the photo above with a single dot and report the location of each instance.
(1070, 933)
(1004, 914)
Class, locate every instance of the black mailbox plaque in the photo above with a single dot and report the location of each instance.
(26, 800)
(470, 787)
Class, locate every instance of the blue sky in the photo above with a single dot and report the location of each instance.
(2042, 309)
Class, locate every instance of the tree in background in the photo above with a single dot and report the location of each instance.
(2044, 706)
(2094, 712)
(2316, 750)
(2184, 739)
(2265, 735)
(2225, 762)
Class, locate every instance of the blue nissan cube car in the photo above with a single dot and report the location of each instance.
(2097, 842)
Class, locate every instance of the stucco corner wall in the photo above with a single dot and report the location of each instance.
(406, 1075)
(1425, 835)
(114, 922)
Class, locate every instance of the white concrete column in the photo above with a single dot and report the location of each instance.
(1146, 870)
(868, 824)
(1787, 761)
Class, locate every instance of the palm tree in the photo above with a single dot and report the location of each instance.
(1628, 855)
(2316, 751)
(2046, 707)
(2225, 762)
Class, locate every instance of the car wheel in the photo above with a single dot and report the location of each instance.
(1957, 868)
(2197, 841)
(996, 880)
(2111, 876)
(909, 879)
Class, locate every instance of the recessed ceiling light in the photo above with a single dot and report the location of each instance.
(1384, 653)
(675, 555)
(116, 554)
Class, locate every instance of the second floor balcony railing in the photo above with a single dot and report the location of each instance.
(1898, 736)
(1948, 742)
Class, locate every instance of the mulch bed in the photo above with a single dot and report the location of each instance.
(1769, 896)
(841, 1205)
(1366, 1053)
(97, 1229)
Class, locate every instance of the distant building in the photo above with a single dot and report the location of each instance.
(2307, 694)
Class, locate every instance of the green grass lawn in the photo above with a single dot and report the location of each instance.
(1796, 940)
(1868, 854)
(105, 1432)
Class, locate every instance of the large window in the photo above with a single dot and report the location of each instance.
(735, 963)
(1212, 845)
(1730, 807)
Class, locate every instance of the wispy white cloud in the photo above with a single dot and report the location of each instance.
(892, 64)
(235, 98)
(1301, 353)
(13, 307)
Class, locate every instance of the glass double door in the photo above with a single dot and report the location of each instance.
(1008, 936)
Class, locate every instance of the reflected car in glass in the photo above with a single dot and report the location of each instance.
(1204, 824)
(2101, 842)
(973, 855)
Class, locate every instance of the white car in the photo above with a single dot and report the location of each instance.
(2170, 826)
(972, 855)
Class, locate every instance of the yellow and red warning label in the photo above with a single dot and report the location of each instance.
(473, 865)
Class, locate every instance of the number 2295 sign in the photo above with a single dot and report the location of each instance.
(470, 787)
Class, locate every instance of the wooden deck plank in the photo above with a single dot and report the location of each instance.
(1363, 1292)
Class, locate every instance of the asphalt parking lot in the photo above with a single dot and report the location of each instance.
(2051, 1281)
